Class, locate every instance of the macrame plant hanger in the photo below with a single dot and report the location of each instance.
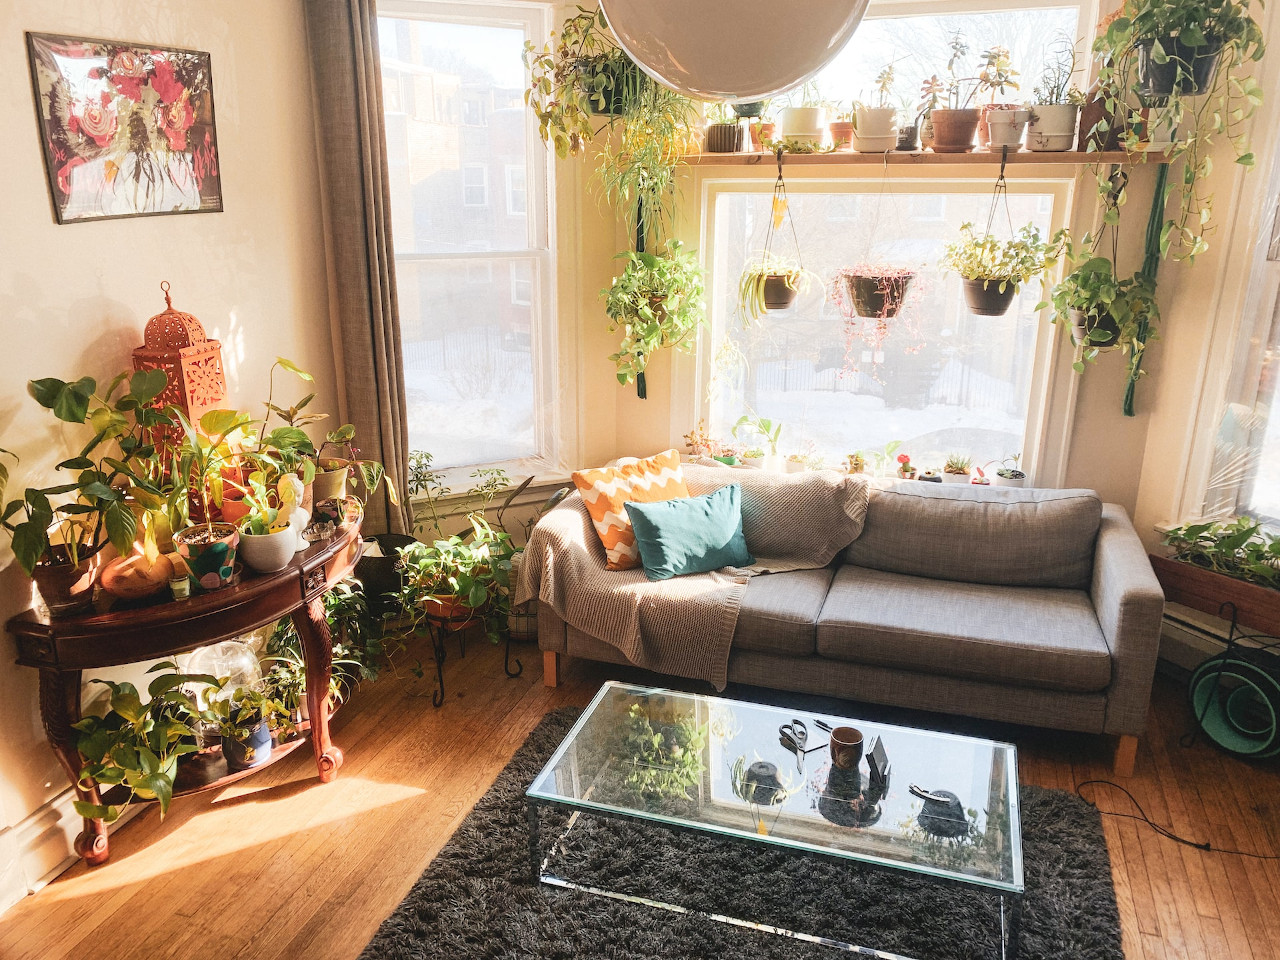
(780, 210)
(1000, 193)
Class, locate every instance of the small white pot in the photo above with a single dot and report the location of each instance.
(796, 466)
(875, 129)
(801, 123)
(954, 477)
(757, 462)
(270, 552)
(1006, 126)
(999, 481)
(1052, 128)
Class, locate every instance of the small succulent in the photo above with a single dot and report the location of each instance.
(957, 463)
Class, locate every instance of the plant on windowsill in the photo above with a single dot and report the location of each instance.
(950, 120)
(1215, 562)
(371, 472)
(994, 269)
(1001, 123)
(1008, 474)
(1056, 100)
(657, 302)
(1180, 65)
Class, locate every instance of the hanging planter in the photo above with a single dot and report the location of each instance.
(994, 269)
(989, 297)
(1178, 68)
(770, 282)
(1098, 329)
(871, 292)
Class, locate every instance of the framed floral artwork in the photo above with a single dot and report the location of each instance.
(127, 129)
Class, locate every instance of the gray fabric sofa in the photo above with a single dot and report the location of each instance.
(1030, 606)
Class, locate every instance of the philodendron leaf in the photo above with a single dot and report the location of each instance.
(294, 369)
(68, 401)
(95, 811)
(146, 385)
(122, 527)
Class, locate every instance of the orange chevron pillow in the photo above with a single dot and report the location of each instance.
(607, 489)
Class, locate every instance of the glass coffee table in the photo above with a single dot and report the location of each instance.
(947, 810)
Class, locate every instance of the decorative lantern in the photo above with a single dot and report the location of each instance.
(175, 343)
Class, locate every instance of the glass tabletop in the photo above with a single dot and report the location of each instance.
(722, 766)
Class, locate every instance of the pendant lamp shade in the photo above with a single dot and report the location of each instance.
(735, 50)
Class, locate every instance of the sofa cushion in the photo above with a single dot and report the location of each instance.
(1026, 538)
(690, 534)
(606, 491)
(779, 612)
(791, 521)
(1025, 636)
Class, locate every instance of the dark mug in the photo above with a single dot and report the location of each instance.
(846, 747)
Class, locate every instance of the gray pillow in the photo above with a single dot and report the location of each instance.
(1024, 538)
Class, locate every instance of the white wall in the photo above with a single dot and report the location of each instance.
(74, 299)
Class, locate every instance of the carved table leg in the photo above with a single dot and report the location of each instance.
(317, 650)
(59, 709)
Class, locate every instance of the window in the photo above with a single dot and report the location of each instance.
(939, 379)
(475, 186)
(475, 279)
(517, 199)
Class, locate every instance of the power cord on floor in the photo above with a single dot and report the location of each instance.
(1163, 831)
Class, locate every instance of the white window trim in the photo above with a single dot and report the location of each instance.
(1051, 398)
(555, 420)
(509, 171)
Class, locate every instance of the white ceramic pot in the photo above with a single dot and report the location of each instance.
(1006, 127)
(999, 481)
(954, 477)
(875, 129)
(756, 462)
(269, 552)
(1052, 128)
(796, 466)
(801, 123)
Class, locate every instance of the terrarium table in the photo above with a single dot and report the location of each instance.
(62, 649)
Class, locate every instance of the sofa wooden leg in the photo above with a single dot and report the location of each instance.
(550, 668)
(1126, 753)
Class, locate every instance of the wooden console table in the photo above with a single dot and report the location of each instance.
(63, 649)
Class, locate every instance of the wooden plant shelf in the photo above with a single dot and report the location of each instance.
(917, 158)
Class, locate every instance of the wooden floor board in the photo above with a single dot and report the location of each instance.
(314, 868)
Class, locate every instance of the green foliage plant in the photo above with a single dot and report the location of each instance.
(662, 761)
(1015, 261)
(1118, 312)
(1203, 121)
(1240, 548)
(372, 473)
(657, 301)
(756, 426)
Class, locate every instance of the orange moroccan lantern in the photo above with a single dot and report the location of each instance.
(175, 343)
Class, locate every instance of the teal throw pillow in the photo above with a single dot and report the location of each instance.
(690, 534)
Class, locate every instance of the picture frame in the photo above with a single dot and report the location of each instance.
(126, 129)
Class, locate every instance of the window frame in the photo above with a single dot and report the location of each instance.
(1047, 434)
(483, 185)
(535, 18)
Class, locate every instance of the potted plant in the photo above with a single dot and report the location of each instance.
(869, 290)
(754, 457)
(138, 745)
(1000, 124)
(875, 127)
(751, 110)
(331, 477)
(1008, 474)
(855, 463)
(946, 103)
(841, 128)
(993, 269)
(797, 462)
(956, 469)
(724, 133)
(1232, 561)
(905, 470)
(802, 121)
(766, 430)
(1105, 311)
(58, 531)
(931, 476)
(770, 283)
(1056, 101)
(455, 580)
(246, 721)
(267, 541)
(1188, 60)
(209, 547)
(657, 302)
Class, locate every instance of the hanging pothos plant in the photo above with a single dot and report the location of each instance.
(656, 302)
(1178, 66)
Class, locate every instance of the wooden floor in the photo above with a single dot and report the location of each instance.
(280, 866)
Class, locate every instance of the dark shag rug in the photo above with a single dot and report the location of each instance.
(476, 900)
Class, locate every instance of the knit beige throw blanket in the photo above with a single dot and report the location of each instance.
(684, 626)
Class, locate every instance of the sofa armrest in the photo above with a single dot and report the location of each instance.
(1129, 604)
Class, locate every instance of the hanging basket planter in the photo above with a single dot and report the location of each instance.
(769, 282)
(986, 299)
(877, 296)
(779, 294)
(1187, 71)
(1098, 329)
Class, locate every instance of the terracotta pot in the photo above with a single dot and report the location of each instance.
(878, 297)
(953, 130)
(778, 294)
(135, 576)
(233, 510)
(66, 589)
(841, 135)
(724, 138)
(761, 132)
(986, 299)
(211, 562)
(330, 484)
(450, 608)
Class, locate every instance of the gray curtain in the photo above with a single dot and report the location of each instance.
(343, 38)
